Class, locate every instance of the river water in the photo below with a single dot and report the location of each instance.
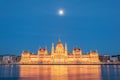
(59, 72)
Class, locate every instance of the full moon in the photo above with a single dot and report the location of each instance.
(60, 12)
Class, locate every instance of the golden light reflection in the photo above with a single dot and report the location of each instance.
(61, 72)
(35, 72)
(85, 72)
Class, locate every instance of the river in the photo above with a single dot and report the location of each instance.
(60, 72)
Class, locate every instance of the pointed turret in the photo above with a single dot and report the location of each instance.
(97, 51)
(90, 51)
(66, 50)
(23, 51)
(46, 51)
(52, 50)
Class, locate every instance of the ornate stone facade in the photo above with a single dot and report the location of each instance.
(59, 55)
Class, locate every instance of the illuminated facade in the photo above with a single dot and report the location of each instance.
(59, 55)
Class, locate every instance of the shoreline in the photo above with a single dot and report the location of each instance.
(67, 64)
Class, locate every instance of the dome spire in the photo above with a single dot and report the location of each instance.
(59, 40)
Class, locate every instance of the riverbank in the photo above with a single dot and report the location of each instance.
(64, 64)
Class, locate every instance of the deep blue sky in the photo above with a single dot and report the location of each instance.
(88, 24)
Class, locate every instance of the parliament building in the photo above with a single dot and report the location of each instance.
(60, 55)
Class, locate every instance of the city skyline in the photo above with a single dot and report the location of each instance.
(89, 25)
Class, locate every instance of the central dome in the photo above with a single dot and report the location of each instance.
(59, 47)
(59, 44)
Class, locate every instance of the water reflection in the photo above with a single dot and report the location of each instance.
(35, 72)
(60, 72)
(9, 71)
(110, 72)
(84, 72)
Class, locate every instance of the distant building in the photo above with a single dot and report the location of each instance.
(115, 58)
(18, 58)
(1, 58)
(104, 58)
(118, 58)
(9, 58)
(59, 55)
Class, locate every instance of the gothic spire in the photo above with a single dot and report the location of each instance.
(66, 50)
(52, 50)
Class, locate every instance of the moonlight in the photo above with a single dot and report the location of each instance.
(61, 12)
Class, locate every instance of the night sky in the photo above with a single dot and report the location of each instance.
(87, 24)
